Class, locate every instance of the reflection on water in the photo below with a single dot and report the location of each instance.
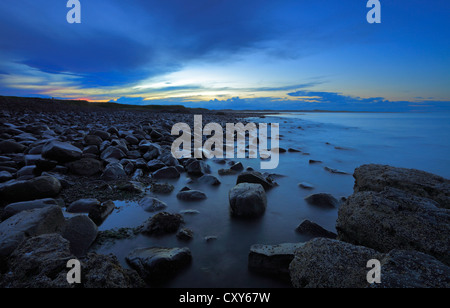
(340, 140)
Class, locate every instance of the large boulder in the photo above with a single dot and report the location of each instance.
(394, 219)
(415, 182)
(37, 188)
(85, 167)
(18, 207)
(272, 259)
(326, 263)
(27, 224)
(255, 178)
(61, 152)
(156, 264)
(81, 232)
(247, 200)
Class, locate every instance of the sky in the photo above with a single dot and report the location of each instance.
(231, 54)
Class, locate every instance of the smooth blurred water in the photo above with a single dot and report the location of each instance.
(418, 141)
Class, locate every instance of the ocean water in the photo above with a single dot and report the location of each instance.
(342, 141)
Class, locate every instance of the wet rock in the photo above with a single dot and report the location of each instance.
(81, 232)
(335, 171)
(191, 195)
(306, 185)
(61, 152)
(152, 204)
(326, 263)
(112, 152)
(210, 238)
(100, 212)
(83, 205)
(190, 212)
(225, 172)
(113, 172)
(415, 182)
(85, 167)
(209, 180)
(131, 140)
(27, 224)
(185, 234)
(237, 167)
(255, 178)
(10, 146)
(131, 187)
(93, 140)
(155, 165)
(292, 150)
(5, 176)
(18, 207)
(198, 168)
(272, 259)
(37, 188)
(247, 200)
(162, 188)
(45, 164)
(162, 223)
(102, 134)
(166, 173)
(158, 264)
(309, 228)
(394, 219)
(322, 200)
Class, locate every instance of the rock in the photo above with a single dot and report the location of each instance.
(291, 150)
(166, 173)
(185, 234)
(85, 167)
(190, 212)
(153, 152)
(247, 200)
(162, 223)
(131, 140)
(272, 259)
(394, 219)
(237, 167)
(102, 134)
(112, 152)
(61, 152)
(312, 229)
(100, 212)
(162, 188)
(26, 173)
(46, 165)
(152, 204)
(18, 207)
(168, 159)
(415, 182)
(5, 176)
(37, 188)
(312, 161)
(198, 168)
(155, 165)
(81, 232)
(93, 140)
(224, 172)
(27, 224)
(209, 180)
(10, 147)
(113, 172)
(322, 200)
(39, 262)
(335, 171)
(255, 178)
(191, 195)
(305, 185)
(83, 205)
(326, 263)
(210, 238)
(131, 187)
(100, 271)
(156, 264)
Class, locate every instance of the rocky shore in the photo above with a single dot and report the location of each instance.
(62, 167)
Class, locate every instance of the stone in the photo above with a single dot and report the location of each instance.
(272, 259)
(152, 204)
(394, 219)
(255, 178)
(113, 172)
(27, 224)
(225, 172)
(83, 205)
(305, 185)
(112, 152)
(37, 188)
(93, 140)
(161, 188)
(247, 200)
(5, 176)
(85, 167)
(100, 212)
(237, 167)
(18, 207)
(162, 223)
(81, 232)
(10, 147)
(415, 182)
(335, 171)
(61, 152)
(157, 264)
(185, 234)
(191, 195)
(166, 173)
(209, 180)
(198, 168)
(322, 200)
(155, 165)
(309, 228)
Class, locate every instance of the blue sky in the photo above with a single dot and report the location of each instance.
(252, 54)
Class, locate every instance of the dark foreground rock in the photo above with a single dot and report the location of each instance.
(62, 152)
(326, 263)
(37, 188)
(81, 232)
(309, 228)
(415, 182)
(158, 264)
(394, 219)
(18, 207)
(100, 212)
(162, 223)
(247, 200)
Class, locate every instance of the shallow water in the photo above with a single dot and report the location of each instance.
(418, 141)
